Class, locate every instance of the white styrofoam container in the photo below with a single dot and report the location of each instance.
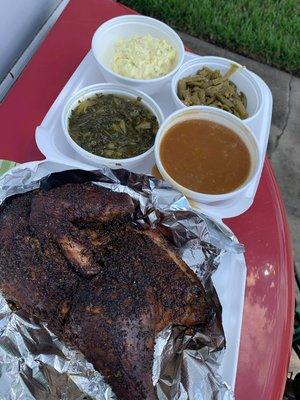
(232, 269)
(52, 143)
(245, 81)
(112, 88)
(106, 36)
(220, 117)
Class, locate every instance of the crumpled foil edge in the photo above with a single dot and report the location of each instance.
(35, 364)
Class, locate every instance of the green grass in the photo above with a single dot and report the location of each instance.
(266, 30)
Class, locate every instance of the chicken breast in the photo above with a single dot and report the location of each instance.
(72, 257)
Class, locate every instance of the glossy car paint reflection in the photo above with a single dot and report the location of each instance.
(269, 302)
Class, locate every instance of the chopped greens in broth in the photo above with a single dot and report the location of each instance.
(113, 126)
(209, 88)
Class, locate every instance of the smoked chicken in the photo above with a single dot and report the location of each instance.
(72, 257)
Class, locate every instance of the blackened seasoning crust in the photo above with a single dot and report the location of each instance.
(71, 257)
(33, 273)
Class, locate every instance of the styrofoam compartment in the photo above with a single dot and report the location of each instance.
(245, 81)
(52, 143)
(223, 118)
(121, 90)
(125, 26)
(232, 269)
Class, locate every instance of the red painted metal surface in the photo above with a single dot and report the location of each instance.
(269, 302)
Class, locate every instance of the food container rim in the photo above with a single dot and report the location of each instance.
(145, 21)
(206, 60)
(109, 88)
(214, 111)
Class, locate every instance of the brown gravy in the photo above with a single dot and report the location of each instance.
(155, 172)
(205, 157)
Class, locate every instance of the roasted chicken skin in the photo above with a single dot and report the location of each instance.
(72, 257)
(59, 213)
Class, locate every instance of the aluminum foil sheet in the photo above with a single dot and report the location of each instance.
(35, 364)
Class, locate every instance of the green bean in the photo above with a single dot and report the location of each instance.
(209, 87)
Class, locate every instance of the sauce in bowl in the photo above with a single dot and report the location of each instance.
(205, 157)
